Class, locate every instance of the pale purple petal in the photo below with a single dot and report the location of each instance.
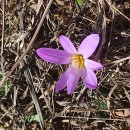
(67, 44)
(92, 64)
(89, 45)
(89, 78)
(62, 82)
(54, 56)
(73, 80)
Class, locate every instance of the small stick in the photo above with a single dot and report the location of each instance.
(117, 61)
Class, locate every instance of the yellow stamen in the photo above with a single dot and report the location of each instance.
(78, 60)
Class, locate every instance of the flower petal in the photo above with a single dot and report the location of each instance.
(73, 80)
(54, 56)
(62, 82)
(67, 44)
(89, 78)
(92, 64)
(89, 45)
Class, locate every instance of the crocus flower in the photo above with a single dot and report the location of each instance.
(79, 64)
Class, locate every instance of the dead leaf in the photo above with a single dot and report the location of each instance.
(123, 113)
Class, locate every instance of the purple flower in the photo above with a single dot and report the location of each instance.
(79, 64)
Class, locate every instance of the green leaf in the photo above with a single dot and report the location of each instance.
(101, 105)
(5, 87)
(80, 2)
(33, 118)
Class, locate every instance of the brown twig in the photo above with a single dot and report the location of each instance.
(29, 45)
(103, 31)
(111, 31)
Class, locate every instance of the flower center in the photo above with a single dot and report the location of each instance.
(78, 60)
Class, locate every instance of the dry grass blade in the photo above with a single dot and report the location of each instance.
(2, 44)
(109, 96)
(34, 97)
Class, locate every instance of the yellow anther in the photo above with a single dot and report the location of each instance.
(78, 60)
